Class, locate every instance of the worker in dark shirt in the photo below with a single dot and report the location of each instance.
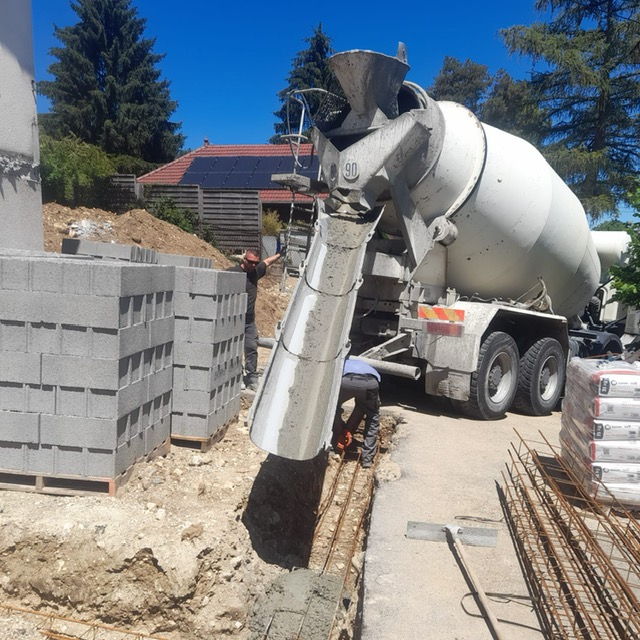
(255, 268)
(362, 383)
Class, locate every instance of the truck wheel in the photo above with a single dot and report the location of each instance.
(542, 373)
(495, 381)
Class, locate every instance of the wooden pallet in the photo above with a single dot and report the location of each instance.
(200, 444)
(69, 485)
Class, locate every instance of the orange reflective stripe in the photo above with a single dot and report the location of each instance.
(446, 314)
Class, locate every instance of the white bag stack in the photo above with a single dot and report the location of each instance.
(601, 426)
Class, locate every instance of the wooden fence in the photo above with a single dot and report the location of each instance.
(232, 218)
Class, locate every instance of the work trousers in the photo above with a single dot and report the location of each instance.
(251, 350)
(364, 389)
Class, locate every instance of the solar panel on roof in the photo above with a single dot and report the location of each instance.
(245, 172)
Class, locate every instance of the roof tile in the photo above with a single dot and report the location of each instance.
(173, 172)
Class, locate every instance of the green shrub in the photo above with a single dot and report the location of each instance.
(271, 223)
(73, 172)
(166, 209)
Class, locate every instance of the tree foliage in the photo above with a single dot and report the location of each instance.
(498, 100)
(310, 69)
(466, 83)
(626, 278)
(511, 105)
(107, 90)
(73, 172)
(590, 87)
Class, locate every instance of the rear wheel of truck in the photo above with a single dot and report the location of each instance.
(495, 381)
(542, 374)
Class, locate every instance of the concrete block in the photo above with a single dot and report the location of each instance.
(13, 335)
(69, 461)
(12, 456)
(14, 273)
(160, 382)
(19, 427)
(39, 458)
(201, 330)
(183, 279)
(184, 304)
(76, 277)
(40, 399)
(131, 397)
(218, 282)
(161, 331)
(193, 402)
(23, 306)
(105, 343)
(43, 337)
(156, 434)
(72, 431)
(191, 425)
(181, 329)
(45, 275)
(74, 371)
(21, 367)
(195, 354)
(142, 278)
(102, 464)
(105, 279)
(183, 261)
(74, 340)
(103, 404)
(133, 339)
(198, 379)
(71, 401)
(79, 310)
(179, 373)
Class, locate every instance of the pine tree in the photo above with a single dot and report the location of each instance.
(310, 70)
(463, 82)
(510, 105)
(107, 90)
(590, 86)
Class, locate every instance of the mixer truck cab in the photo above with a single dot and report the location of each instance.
(441, 245)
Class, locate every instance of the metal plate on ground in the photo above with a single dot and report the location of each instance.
(470, 536)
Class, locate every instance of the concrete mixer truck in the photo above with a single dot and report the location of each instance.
(444, 249)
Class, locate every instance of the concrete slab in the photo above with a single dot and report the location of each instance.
(445, 469)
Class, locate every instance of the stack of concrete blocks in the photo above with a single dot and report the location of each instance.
(87, 360)
(210, 311)
(209, 343)
(126, 252)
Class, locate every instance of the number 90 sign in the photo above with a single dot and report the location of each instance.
(350, 170)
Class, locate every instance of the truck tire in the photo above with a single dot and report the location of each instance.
(542, 374)
(495, 381)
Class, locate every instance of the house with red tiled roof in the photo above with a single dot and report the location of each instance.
(245, 167)
(229, 187)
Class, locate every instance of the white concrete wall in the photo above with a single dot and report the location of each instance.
(20, 194)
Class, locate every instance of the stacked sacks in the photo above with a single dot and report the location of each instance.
(601, 426)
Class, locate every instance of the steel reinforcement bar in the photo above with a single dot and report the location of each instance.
(581, 559)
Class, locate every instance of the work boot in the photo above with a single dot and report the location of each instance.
(366, 464)
(252, 382)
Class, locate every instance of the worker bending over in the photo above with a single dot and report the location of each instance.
(362, 383)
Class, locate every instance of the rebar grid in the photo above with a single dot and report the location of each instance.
(581, 559)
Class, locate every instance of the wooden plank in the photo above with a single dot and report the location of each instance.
(201, 444)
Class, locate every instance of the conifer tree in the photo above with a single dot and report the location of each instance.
(590, 86)
(310, 70)
(463, 82)
(107, 90)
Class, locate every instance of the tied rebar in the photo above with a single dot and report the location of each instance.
(581, 557)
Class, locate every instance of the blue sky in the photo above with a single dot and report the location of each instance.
(227, 61)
